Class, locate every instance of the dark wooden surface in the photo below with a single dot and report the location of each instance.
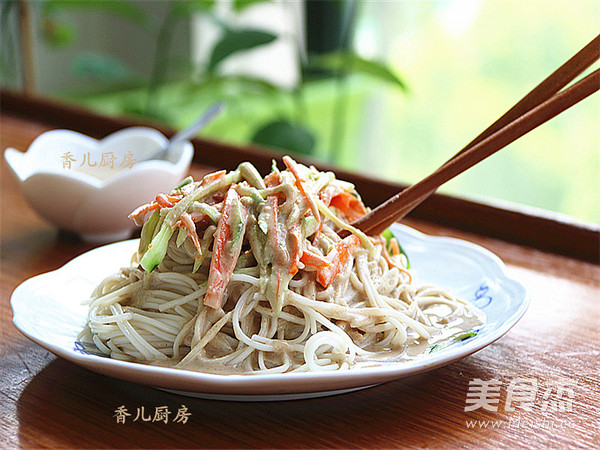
(48, 402)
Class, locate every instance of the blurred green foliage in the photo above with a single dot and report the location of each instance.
(464, 78)
(285, 131)
(464, 70)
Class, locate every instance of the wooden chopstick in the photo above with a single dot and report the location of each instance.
(542, 92)
(552, 84)
(395, 208)
(556, 81)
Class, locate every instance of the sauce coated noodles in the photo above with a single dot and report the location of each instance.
(237, 273)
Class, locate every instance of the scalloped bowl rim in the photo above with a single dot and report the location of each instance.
(141, 166)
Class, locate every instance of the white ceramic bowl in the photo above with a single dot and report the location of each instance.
(88, 186)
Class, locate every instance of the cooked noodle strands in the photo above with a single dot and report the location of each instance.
(98, 342)
(182, 312)
(134, 337)
(114, 296)
(183, 300)
(205, 339)
(245, 278)
(177, 342)
(330, 359)
(365, 277)
(241, 334)
(284, 292)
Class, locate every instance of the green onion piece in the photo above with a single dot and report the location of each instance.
(309, 226)
(459, 338)
(388, 235)
(251, 175)
(147, 232)
(185, 181)
(157, 249)
(464, 336)
(274, 167)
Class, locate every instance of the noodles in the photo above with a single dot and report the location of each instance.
(242, 274)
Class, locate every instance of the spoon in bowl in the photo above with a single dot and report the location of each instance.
(205, 118)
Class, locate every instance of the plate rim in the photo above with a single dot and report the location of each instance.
(236, 385)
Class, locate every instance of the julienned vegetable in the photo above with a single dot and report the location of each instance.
(227, 247)
(237, 273)
(461, 337)
(244, 209)
(394, 246)
(156, 250)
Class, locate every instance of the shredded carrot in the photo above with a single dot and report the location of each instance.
(394, 247)
(226, 249)
(173, 198)
(295, 235)
(163, 201)
(188, 223)
(140, 212)
(301, 183)
(388, 258)
(309, 258)
(337, 259)
(212, 177)
(344, 200)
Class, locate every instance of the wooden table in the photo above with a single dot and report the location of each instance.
(48, 402)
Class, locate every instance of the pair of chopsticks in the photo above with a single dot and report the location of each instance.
(545, 101)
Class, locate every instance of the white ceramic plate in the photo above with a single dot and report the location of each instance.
(48, 310)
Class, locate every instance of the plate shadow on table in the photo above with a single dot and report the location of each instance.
(68, 406)
(44, 250)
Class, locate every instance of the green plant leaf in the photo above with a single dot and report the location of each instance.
(185, 8)
(235, 41)
(351, 62)
(286, 136)
(100, 67)
(142, 111)
(57, 33)
(244, 83)
(126, 9)
(240, 5)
